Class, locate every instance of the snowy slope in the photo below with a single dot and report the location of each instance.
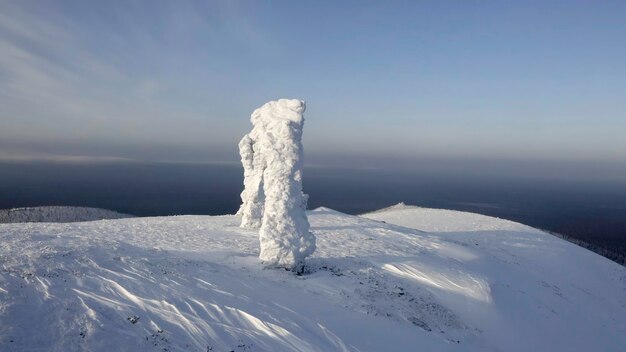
(57, 214)
(542, 291)
(194, 283)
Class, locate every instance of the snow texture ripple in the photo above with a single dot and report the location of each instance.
(403, 279)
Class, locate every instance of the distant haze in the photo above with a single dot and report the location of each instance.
(392, 81)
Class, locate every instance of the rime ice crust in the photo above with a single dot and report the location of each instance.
(271, 155)
(252, 197)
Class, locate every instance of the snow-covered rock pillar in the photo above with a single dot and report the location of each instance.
(252, 197)
(272, 158)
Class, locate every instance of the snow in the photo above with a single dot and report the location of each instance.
(252, 197)
(271, 155)
(424, 279)
(57, 214)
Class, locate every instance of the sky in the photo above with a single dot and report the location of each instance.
(383, 80)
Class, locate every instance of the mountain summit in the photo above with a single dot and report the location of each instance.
(400, 279)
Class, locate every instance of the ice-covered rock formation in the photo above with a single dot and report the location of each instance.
(252, 197)
(273, 201)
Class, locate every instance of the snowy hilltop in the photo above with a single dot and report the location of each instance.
(57, 214)
(402, 279)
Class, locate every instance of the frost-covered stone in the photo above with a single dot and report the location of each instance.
(252, 197)
(272, 199)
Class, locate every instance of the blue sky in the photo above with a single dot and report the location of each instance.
(177, 80)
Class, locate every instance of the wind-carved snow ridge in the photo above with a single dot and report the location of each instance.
(271, 155)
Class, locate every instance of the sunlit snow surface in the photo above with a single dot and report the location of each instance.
(447, 281)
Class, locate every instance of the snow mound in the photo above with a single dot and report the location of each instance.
(399, 206)
(194, 283)
(443, 220)
(57, 214)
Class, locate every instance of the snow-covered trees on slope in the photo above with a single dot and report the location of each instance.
(57, 214)
(273, 201)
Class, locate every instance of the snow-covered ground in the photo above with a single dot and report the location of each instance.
(57, 214)
(401, 279)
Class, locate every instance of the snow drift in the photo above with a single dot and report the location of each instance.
(271, 155)
(424, 279)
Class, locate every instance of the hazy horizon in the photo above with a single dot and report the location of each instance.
(162, 81)
(585, 208)
(461, 97)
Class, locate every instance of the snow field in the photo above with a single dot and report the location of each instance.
(194, 283)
